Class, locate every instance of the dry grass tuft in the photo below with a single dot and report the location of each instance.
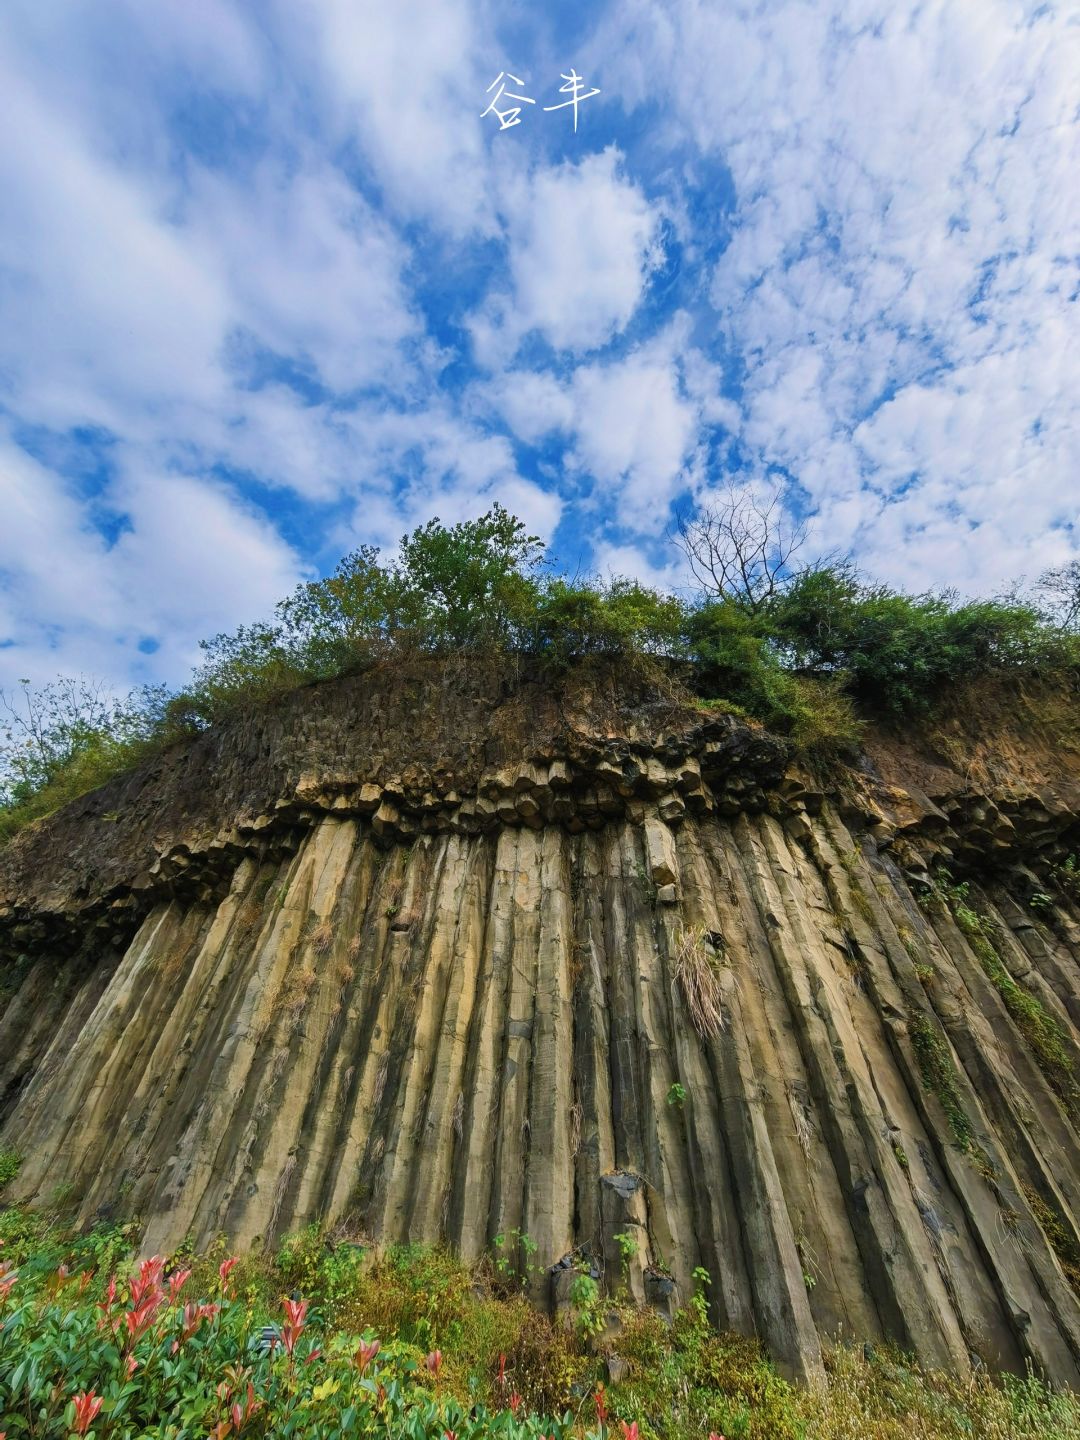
(802, 1119)
(322, 937)
(458, 1116)
(380, 1082)
(577, 1119)
(296, 992)
(280, 1191)
(696, 969)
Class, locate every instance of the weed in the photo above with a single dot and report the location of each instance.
(939, 1075)
(1062, 1240)
(627, 1250)
(677, 1095)
(295, 993)
(321, 938)
(1066, 874)
(1042, 1032)
(911, 945)
(10, 1163)
(585, 1298)
(696, 970)
(513, 1259)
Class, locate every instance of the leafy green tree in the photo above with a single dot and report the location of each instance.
(45, 731)
(464, 586)
(900, 652)
(333, 625)
(571, 620)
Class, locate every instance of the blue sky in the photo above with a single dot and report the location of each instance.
(270, 287)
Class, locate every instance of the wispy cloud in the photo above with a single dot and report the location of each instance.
(271, 287)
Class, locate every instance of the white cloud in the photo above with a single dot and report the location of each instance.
(634, 432)
(190, 558)
(583, 242)
(106, 306)
(532, 402)
(900, 278)
(406, 81)
(632, 562)
(310, 270)
(455, 470)
(632, 426)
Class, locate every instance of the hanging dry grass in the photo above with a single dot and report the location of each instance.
(696, 971)
(802, 1118)
(280, 1191)
(577, 1119)
(322, 937)
(458, 1116)
(380, 1082)
(294, 994)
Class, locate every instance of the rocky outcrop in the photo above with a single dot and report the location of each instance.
(576, 966)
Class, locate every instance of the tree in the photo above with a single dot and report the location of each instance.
(1058, 590)
(43, 732)
(342, 621)
(740, 545)
(465, 586)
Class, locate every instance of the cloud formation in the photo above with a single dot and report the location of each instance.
(902, 274)
(272, 286)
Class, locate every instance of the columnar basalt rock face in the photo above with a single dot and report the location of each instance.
(452, 1004)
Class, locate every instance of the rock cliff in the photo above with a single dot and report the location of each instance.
(449, 956)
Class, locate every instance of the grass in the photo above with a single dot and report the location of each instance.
(1061, 1239)
(939, 1075)
(1042, 1032)
(10, 1164)
(696, 971)
(680, 1380)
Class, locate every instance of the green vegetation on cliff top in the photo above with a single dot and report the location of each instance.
(804, 650)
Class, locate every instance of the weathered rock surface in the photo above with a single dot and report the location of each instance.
(415, 959)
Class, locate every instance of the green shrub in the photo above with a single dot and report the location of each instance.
(415, 1344)
(736, 655)
(1042, 1032)
(939, 1075)
(900, 652)
(570, 620)
(798, 655)
(10, 1163)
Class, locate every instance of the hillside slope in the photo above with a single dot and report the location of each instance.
(449, 956)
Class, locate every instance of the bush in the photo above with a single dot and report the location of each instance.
(570, 621)
(414, 1344)
(795, 652)
(10, 1164)
(899, 653)
(736, 656)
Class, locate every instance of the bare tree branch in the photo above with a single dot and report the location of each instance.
(741, 545)
(1059, 592)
